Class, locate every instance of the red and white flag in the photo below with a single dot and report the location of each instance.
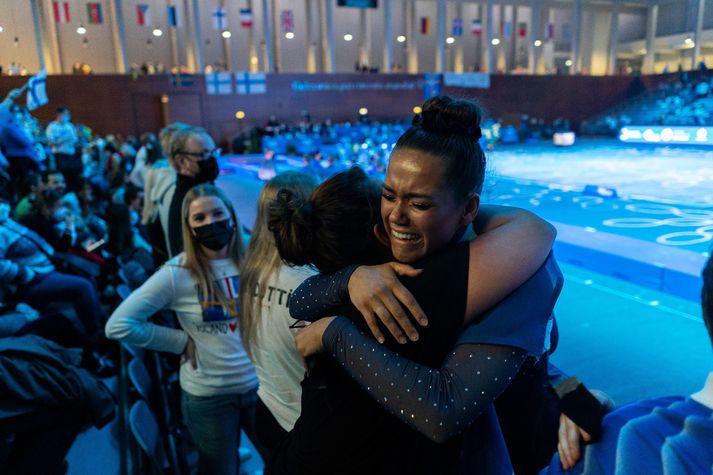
(476, 27)
(61, 12)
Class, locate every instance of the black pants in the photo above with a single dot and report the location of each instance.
(269, 431)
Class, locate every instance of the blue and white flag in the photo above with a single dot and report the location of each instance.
(220, 19)
(250, 83)
(457, 27)
(37, 91)
(219, 83)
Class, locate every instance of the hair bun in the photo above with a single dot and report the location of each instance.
(446, 116)
(290, 220)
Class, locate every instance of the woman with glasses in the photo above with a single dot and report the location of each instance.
(218, 382)
(194, 157)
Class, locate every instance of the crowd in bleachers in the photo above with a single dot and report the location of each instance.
(129, 239)
(681, 102)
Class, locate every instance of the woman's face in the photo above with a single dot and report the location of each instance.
(420, 213)
(206, 210)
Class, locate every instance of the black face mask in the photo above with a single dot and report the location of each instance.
(207, 170)
(215, 236)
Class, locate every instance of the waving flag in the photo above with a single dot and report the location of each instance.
(36, 90)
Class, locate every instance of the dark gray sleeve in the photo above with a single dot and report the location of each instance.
(437, 402)
(321, 295)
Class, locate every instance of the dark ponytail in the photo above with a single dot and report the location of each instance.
(290, 220)
(450, 129)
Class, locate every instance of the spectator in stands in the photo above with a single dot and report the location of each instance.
(32, 184)
(661, 435)
(62, 139)
(17, 145)
(28, 275)
(194, 157)
(266, 327)
(149, 152)
(53, 222)
(219, 385)
(158, 189)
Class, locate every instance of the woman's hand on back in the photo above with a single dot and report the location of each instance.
(309, 338)
(380, 297)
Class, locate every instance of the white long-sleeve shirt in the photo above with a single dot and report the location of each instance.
(223, 366)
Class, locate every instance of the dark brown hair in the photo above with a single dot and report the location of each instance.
(334, 227)
(707, 297)
(450, 129)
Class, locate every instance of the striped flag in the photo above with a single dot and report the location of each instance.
(94, 13)
(172, 18)
(143, 15)
(549, 31)
(425, 25)
(522, 29)
(287, 18)
(507, 29)
(246, 18)
(457, 27)
(476, 27)
(61, 12)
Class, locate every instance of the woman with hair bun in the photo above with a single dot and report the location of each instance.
(343, 429)
(266, 327)
(429, 199)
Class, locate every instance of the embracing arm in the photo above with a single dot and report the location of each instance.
(512, 244)
(437, 402)
(129, 322)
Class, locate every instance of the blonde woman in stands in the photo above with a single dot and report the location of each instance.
(265, 323)
(218, 382)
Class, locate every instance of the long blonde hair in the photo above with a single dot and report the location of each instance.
(195, 259)
(263, 260)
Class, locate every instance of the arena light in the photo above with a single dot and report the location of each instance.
(417, 110)
(2, 29)
(538, 43)
(253, 60)
(450, 40)
(568, 63)
(240, 115)
(226, 34)
(348, 37)
(495, 41)
(289, 35)
(400, 38)
(157, 32)
(688, 41)
(81, 30)
(363, 111)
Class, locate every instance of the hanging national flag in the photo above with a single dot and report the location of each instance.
(425, 25)
(220, 20)
(287, 19)
(457, 27)
(219, 83)
(246, 18)
(181, 80)
(507, 29)
(172, 18)
(522, 29)
(143, 15)
(476, 27)
(36, 90)
(94, 13)
(549, 31)
(61, 12)
(250, 83)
